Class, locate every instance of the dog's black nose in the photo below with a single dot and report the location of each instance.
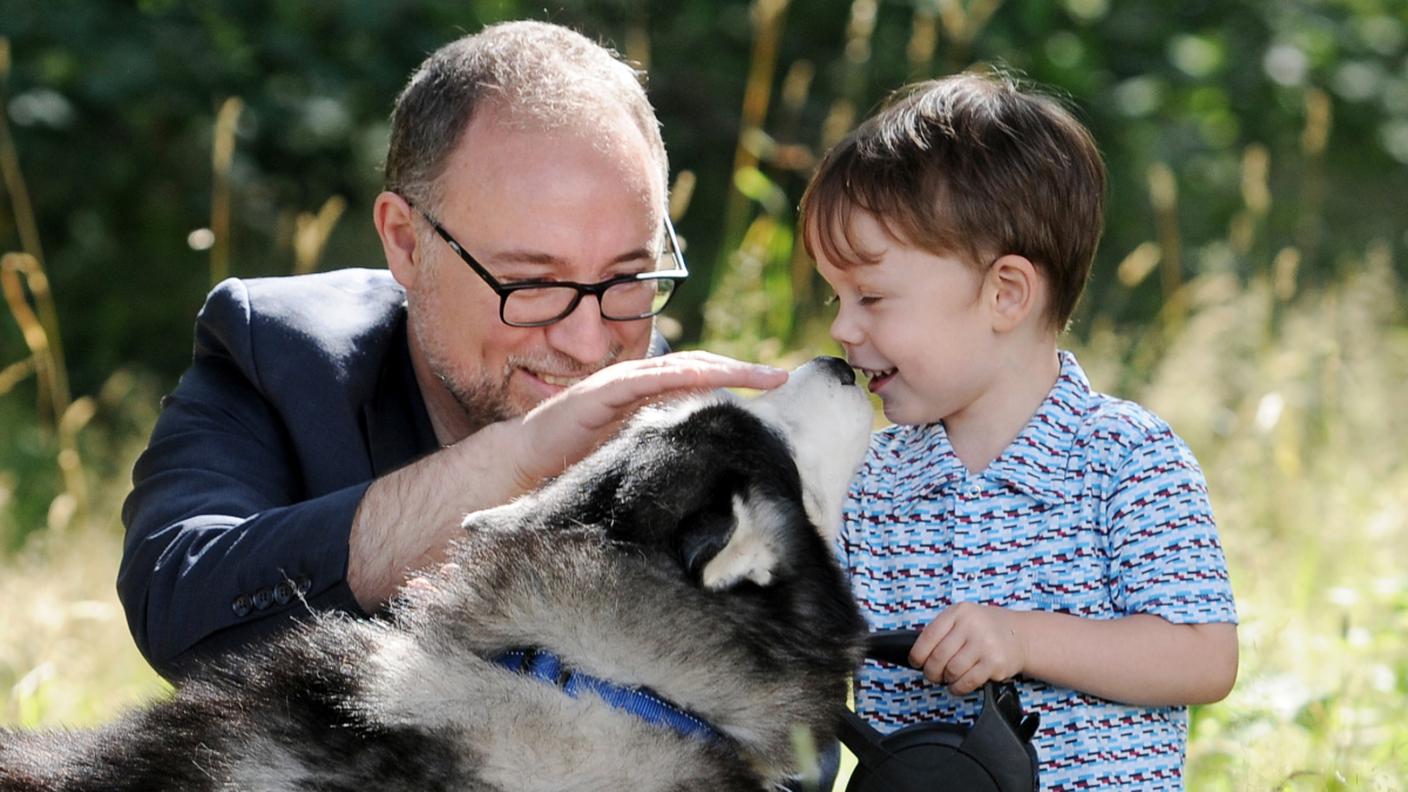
(838, 367)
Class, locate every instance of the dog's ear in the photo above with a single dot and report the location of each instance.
(746, 541)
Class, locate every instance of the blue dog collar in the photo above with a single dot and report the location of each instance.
(641, 702)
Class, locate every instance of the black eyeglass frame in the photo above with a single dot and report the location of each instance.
(598, 290)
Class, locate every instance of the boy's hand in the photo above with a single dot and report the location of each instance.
(969, 644)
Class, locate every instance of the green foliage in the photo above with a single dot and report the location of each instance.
(114, 129)
(1247, 288)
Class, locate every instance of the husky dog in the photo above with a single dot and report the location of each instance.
(665, 615)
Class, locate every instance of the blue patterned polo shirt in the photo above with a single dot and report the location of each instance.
(1097, 509)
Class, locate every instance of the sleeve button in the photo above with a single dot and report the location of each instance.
(263, 598)
(283, 593)
(242, 606)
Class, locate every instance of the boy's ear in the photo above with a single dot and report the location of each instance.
(1015, 290)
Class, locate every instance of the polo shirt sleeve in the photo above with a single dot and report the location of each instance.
(1166, 557)
(222, 548)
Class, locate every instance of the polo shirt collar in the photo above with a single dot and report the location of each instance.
(1035, 462)
(924, 461)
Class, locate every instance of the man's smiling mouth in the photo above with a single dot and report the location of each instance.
(553, 379)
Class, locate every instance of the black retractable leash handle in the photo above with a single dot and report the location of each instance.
(995, 754)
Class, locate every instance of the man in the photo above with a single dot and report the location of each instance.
(333, 429)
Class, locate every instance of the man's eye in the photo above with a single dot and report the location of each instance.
(512, 278)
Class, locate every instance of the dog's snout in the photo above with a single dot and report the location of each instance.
(838, 368)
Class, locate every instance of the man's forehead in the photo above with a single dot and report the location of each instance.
(497, 161)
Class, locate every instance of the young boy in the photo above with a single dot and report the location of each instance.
(1034, 529)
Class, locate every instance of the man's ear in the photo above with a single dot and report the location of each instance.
(1015, 289)
(395, 224)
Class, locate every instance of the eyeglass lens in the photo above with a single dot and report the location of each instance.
(621, 301)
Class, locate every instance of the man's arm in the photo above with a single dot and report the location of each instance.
(223, 543)
(407, 519)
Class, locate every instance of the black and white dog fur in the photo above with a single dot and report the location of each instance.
(689, 556)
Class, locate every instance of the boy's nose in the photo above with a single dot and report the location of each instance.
(844, 331)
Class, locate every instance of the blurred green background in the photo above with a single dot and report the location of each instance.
(1248, 286)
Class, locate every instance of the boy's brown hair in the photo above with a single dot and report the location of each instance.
(971, 165)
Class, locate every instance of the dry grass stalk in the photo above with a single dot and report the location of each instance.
(221, 159)
(963, 24)
(311, 232)
(28, 228)
(1163, 193)
(16, 271)
(14, 374)
(1319, 121)
(757, 94)
(923, 38)
(681, 194)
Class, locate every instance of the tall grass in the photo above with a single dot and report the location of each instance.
(1292, 408)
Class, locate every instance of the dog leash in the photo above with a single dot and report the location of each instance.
(641, 702)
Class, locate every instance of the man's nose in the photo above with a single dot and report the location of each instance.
(583, 334)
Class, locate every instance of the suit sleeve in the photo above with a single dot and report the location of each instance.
(222, 545)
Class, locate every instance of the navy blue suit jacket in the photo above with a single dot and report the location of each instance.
(300, 393)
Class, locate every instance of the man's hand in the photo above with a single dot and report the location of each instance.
(408, 518)
(967, 645)
(567, 427)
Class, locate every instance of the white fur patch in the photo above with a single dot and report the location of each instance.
(813, 397)
(752, 552)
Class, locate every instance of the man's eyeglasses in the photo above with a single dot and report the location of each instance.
(535, 303)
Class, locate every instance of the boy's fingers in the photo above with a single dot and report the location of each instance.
(970, 681)
(963, 663)
(929, 638)
(942, 656)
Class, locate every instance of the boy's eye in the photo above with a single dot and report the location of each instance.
(867, 299)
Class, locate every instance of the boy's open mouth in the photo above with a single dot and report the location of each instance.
(877, 377)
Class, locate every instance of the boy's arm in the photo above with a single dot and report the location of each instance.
(1140, 659)
(1176, 643)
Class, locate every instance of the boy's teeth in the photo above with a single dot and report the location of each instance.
(877, 373)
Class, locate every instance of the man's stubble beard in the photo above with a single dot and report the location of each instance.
(487, 398)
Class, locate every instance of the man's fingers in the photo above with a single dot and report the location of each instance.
(626, 384)
(569, 425)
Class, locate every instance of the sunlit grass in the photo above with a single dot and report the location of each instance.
(65, 656)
